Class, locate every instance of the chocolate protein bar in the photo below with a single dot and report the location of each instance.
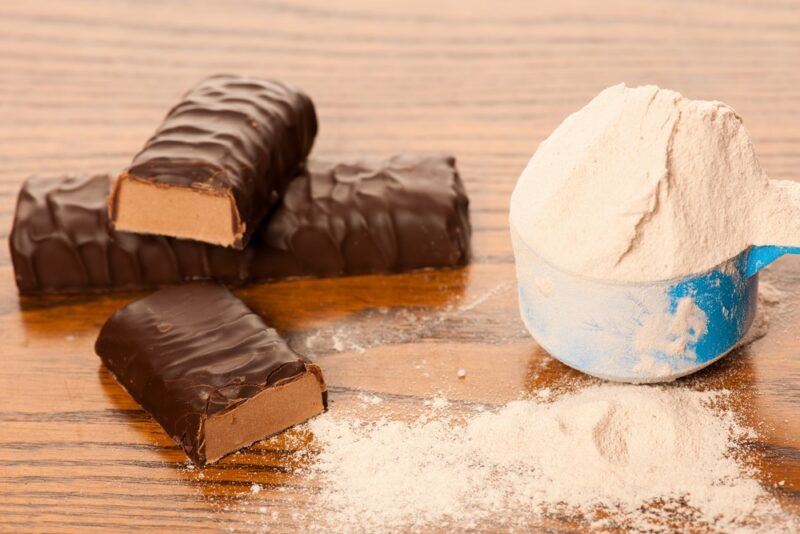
(367, 216)
(218, 163)
(208, 370)
(337, 218)
(61, 243)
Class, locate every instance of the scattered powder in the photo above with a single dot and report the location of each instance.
(385, 326)
(480, 299)
(437, 403)
(372, 400)
(338, 344)
(633, 457)
(644, 184)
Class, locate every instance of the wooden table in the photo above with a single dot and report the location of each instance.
(83, 83)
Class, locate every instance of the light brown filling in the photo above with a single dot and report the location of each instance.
(269, 412)
(146, 208)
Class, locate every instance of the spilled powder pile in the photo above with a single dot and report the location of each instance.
(644, 184)
(618, 456)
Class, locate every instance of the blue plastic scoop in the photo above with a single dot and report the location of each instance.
(640, 332)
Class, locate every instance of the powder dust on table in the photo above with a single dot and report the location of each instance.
(609, 456)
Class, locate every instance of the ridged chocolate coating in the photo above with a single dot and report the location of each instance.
(61, 243)
(232, 135)
(188, 352)
(367, 215)
(362, 216)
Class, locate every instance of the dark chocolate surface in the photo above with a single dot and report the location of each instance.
(232, 135)
(188, 352)
(337, 218)
(368, 215)
(61, 243)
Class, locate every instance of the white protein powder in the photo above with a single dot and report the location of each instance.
(643, 184)
(633, 457)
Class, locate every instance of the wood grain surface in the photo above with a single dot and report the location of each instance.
(84, 83)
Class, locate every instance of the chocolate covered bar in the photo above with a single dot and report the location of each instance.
(61, 243)
(337, 218)
(218, 163)
(368, 215)
(208, 370)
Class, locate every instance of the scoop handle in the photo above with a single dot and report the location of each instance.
(761, 256)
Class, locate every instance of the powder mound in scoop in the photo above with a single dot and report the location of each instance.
(644, 184)
(631, 457)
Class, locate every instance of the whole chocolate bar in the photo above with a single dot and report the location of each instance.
(208, 370)
(218, 163)
(367, 215)
(337, 218)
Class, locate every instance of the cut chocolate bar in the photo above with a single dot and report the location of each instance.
(210, 372)
(337, 218)
(61, 243)
(218, 163)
